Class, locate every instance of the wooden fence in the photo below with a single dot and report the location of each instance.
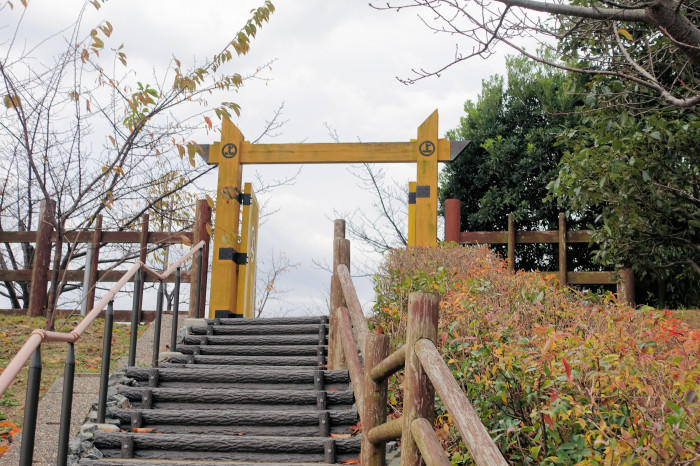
(623, 279)
(425, 374)
(43, 239)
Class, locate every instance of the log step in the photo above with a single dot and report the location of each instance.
(230, 417)
(225, 447)
(232, 396)
(272, 321)
(257, 329)
(241, 350)
(170, 361)
(240, 374)
(254, 340)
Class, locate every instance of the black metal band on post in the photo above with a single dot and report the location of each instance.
(159, 317)
(31, 404)
(136, 304)
(198, 294)
(176, 310)
(104, 372)
(66, 407)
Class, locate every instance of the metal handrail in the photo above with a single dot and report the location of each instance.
(32, 348)
(38, 336)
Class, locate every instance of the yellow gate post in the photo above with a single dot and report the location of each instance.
(227, 154)
(248, 246)
(426, 181)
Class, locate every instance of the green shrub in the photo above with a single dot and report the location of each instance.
(556, 376)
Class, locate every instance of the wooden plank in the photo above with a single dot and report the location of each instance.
(475, 436)
(483, 237)
(344, 152)
(579, 236)
(154, 237)
(107, 276)
(537, 237)
(592, 278)
(428, 443)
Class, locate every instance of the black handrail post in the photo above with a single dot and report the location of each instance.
(106, 357)
(66, 406)
(135, 318)
(176, 310)
(31, 405)
(198, 297)
(159, 315)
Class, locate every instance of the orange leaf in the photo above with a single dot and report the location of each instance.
(142, 430)
(567, 368)
(352, 461)
(208, 120)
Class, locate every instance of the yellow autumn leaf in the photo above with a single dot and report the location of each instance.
(11, 101)
(625, 33)
(210, 201)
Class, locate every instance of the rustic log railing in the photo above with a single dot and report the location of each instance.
(32, 349)
(96, 240)
(425, 373)
(623, 279)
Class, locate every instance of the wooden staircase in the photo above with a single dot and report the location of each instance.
(237, 391)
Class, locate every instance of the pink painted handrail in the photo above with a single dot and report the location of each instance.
(38, 336)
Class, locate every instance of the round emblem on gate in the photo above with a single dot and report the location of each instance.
(427, 148)
(229, 150)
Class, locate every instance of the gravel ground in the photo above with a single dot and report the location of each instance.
(84, 395)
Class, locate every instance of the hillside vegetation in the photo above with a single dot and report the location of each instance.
(557, 377)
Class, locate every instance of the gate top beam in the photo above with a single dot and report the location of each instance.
(343, 152)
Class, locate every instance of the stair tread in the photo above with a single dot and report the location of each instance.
(253, 350)
(235, 395)
(269, 320)
(257, 329)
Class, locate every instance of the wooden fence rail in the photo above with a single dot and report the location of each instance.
(623, 279)
(44, 237)
(425, 373)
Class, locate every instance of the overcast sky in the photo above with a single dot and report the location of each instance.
(332, 63)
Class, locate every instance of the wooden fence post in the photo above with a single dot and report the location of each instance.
(625, 286)
(341, 255)
(511, 243)
(202, 217)
(453, 220)
(96, 238)
(374, 404)
(143, 251)
(42, 257)
(562, 250)
(419, 394)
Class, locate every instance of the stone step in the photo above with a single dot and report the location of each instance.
(226, 447)
(235, 396)
(272, 321)
(246, 350)
(307, 329)
(173, 359)
(255, 340)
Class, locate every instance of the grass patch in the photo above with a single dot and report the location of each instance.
(14, 331)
